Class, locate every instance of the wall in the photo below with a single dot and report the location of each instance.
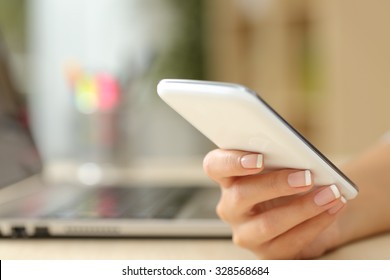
(322, 64)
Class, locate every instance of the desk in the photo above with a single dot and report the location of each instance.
(169, 249)
(120, 249)
(377, 247)
(374, 248)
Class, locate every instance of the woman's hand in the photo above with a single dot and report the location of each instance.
(276, 215)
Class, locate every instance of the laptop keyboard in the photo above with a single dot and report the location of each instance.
(130, 203)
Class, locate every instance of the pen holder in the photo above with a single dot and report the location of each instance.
(96, 127)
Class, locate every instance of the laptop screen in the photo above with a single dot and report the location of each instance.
(19, 158)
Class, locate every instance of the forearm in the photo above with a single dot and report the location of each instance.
(369, 213)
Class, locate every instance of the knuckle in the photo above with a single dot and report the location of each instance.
(265, 227)
(237, 195)
(254, 236)
(221, 211)
(240, 240)
(229, 204)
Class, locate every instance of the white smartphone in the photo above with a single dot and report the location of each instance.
(235, 117)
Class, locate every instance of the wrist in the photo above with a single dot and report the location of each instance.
(369, 213)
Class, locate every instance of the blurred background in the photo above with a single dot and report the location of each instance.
(89, 69)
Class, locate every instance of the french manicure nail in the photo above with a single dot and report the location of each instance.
(299, 179)
(337, 207)
(252, 161)
(327, 195)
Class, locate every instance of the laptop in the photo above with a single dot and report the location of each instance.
(31, 207)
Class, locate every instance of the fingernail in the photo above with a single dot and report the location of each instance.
(338, 207)
(252, 161)
(299, 179)
(327, 195)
